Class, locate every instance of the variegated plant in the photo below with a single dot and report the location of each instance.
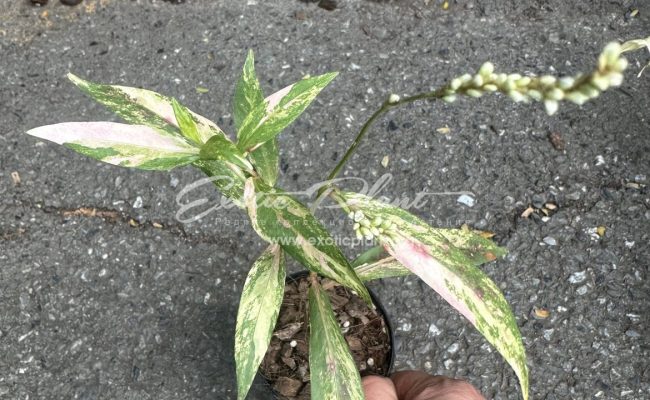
(161, 134)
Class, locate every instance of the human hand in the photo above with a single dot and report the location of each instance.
(417, 385)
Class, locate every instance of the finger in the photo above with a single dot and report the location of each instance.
(378, 388)
(417, 385)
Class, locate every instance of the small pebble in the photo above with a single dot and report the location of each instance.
(548, 333)
(434, 330)
(549, 240)
(466, 200)
(138, 202)
(453, 348)
(582, 290)
(370, 362)
(578, 277)
(293, 343)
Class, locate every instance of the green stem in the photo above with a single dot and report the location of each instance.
(385, 107)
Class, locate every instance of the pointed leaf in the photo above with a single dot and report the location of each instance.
(186, 122)
(279, 218)
(387, 267)
(370, 256)
(266, 159)
(446, 260)
(143, 107)
(334, 375)
(279, 110)
(125, 145)
(248, 93)
(257, 315)
(227, 177)
(220, 148)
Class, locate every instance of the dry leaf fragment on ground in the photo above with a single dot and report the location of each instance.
(15, 176)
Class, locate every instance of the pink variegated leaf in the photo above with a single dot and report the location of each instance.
(144, 107)
(447, 260)
(125, 145)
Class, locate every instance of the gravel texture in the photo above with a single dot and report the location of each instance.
(120, 308)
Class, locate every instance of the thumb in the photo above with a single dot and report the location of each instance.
(378, 388)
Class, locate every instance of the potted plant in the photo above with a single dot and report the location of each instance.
(161, 134)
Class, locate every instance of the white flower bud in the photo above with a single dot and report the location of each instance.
(358, 216)
(517, 96)
(490, 87)
(377, 221)
(535, 94)
(521, 82)
(566, 82)
(510, 85)
(547, 80)
(612, 52)
(486, 69)
(359, 235)
(474, 93)
(455, 84)
(366, 232)
(374, 231)
(351, 215)
(449, 99)
(465, 78)
(600, 81)
(589, 91)
(514, 77)
(620, 65)
(616, 78)
(393, 98)
(576, 97)
(554, 94)
(501, 79)
(356, 226)
(477, 80)
(365, 222)
(551, 106)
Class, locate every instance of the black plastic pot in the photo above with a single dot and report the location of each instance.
(380, 308)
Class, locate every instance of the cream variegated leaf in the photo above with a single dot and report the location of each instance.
(447, 261)
(265, 121)
(248, 96)
(387, 267)
(144, 107)
(279, 218)
(333, 373)
(136, 146)
(257, 315)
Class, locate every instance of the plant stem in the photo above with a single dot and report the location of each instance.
(385, 107)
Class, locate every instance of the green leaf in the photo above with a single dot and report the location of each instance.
(369, 256)
(186, 122)
(257, 315)
(227, 177)
(267, 161)
(447, 261)
(143, 107)
(279, 110)
(279, 218)
(248, 93)
(125, 145)
(334, 375)
(387, 267)
(220, 148)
